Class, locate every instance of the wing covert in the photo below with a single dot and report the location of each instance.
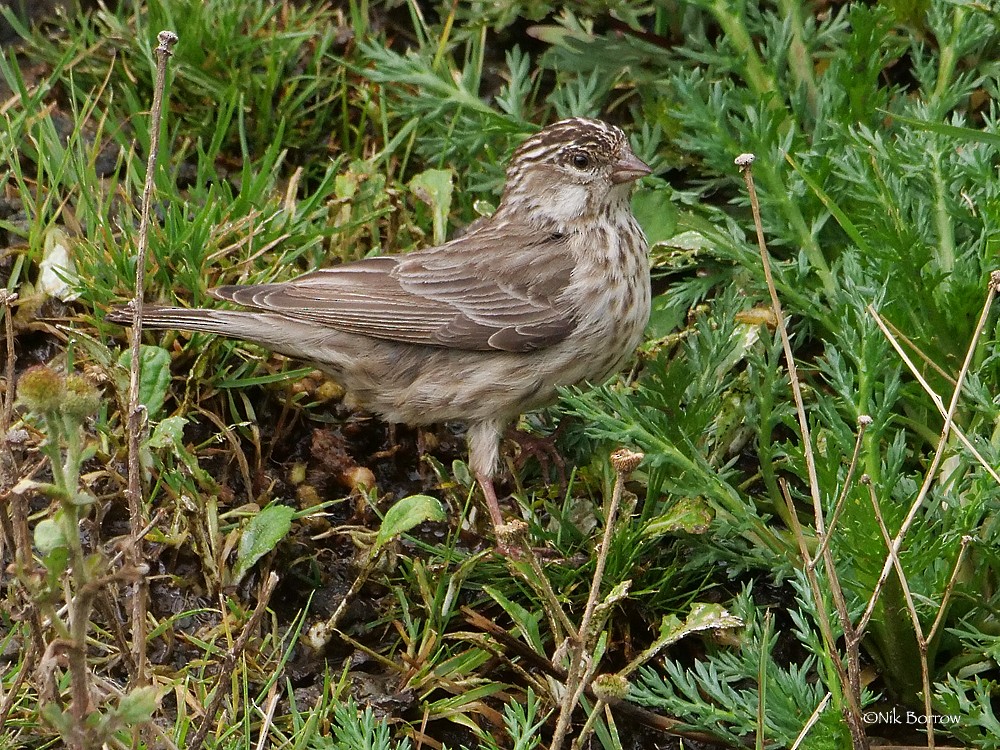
(479, 292)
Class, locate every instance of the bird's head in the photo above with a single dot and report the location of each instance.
(574, 170)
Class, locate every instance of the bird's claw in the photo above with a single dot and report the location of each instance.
(543, 450)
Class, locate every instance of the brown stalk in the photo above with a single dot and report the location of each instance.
(852, 682)
(923, 642)
(506, 646)
(846, 677)
(885, 327)
(23, 563)
(599, 707)
(8, 471)
(744, 162)
(136, 412)
(963, 548)
(931, 473)
(580, 668)
(7, 468)
(15, 526)
(920, 353)
(911, 610)
(562, 626)
(813, 718)
(270, 705)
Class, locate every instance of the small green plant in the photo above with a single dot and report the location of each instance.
(353, 728)
(781, 702)
(73, 575)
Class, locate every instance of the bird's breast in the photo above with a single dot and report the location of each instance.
(612, 295)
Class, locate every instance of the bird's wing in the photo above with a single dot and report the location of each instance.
(486, 291)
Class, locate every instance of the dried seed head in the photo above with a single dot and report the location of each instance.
(167, 39)
(17, 436)
(512, 535)
(41, 389)
(610, 686)
(864, 420)
(82, 399)
(626, 461)
(744, 160)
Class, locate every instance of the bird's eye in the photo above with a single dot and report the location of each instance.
(581, 161)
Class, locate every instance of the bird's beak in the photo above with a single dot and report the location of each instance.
(629, 168)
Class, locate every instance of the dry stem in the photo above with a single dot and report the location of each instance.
(15, 532)
(929, 477)
(826, 630)
(911, 610)
(580, 669)
(889, 331)
(7, 469)
(852, 680)
(136, 412)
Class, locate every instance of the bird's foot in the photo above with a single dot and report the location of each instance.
(543, 449)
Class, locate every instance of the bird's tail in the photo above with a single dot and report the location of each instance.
(231, 323)
(324, 346)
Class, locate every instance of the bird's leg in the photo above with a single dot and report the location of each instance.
(486, 482)
(509, 534)
(484, 449)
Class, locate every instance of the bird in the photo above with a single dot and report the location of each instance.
(552, 290)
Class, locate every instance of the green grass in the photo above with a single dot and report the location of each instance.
(296, 137)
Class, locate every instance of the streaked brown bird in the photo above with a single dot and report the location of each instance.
(552, 290)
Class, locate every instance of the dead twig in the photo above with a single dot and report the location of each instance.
(852, 679)
(136, 412)
(7, 469)
(930, 475)
(581, 665)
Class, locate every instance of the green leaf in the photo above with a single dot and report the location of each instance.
(838, 213)
(655, 213)
(434, 187)
(708, 617)
(137, 706)
(168, 432)
(154, 376)
(261, 536)
(49, 536)
(524, 620)
(665, 317)
(406, 514)
(460, 470)
(278, 377)
(603, 610)
(55, 563)
(953, 131)
(560, 35)
(55, 716)
(690, 514)
(701, 617)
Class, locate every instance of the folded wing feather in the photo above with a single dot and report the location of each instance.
(479, 292)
